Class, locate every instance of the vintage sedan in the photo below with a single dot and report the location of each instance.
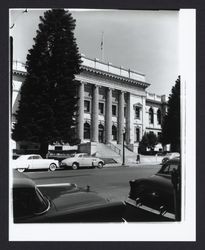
(60, 203)
(159, 194)
(34, 161)
(170, 156)
(76, 161)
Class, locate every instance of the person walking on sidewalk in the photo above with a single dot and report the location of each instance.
(138, 159)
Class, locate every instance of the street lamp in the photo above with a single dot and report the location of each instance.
(123, 148)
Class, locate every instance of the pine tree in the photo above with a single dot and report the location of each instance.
(171, 122)
(48, 103)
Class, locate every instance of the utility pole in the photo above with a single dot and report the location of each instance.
(123, 150)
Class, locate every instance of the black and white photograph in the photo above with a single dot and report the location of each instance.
(101, 124)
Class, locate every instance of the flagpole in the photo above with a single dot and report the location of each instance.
(102, 47)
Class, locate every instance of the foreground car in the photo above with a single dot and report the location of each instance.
(170, 156)
(161, 193)
(34, 161)
(60, 203)
(82, 160)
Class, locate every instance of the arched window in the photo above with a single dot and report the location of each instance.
(159, 116)
(151, 116)
(86, 130)
(114, 133)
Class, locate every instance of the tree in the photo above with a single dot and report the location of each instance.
(171, 122)
(149, 140)
(48, 104)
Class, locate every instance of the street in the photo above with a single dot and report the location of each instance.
(110, 182)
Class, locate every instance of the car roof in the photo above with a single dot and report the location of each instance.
(20, 180)
(174, 160)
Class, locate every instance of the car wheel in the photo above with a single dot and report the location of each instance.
(21, 170)
(100, 164)
(52, 167)
(74, 166)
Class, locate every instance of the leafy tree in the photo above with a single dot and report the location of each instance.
(149, 140)
(171, 122)
(48, 104)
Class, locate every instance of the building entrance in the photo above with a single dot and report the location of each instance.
(101, 133)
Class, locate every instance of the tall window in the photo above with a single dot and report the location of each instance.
(114, 110)
(151, 116)
(86, 130)
(137, 135)
(159, 116)
(86, 106)
(101, 108)
(114, 133)
(137, 112)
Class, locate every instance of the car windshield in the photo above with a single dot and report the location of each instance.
(29, 201)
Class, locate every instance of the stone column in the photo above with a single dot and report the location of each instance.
(80, 119)
(120, 117)
(94, 115)
(108, 116)
(128, 121)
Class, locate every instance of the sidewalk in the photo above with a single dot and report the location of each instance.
(130, 165)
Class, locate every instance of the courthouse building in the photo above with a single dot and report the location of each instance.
(113, 102)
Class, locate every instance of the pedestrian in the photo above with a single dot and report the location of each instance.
(138, 159)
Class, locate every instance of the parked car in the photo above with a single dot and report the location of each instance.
(34, 161)
(169, 156)
(159, 194)
(60, 203)
(76, 161)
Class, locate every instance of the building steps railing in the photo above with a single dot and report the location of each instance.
(114, 148)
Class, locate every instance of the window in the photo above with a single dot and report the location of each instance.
(101, 108)
(37, 157)
(137, 112)
(86, 130)
(137, 134)
(151, 116)
(168, 169)
(159, 116)
(114, 110)
(86, 106)
(114, 133)
(125, 110)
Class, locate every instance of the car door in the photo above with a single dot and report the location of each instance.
(38, 162)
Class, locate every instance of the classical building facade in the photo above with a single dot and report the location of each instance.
(113, 104)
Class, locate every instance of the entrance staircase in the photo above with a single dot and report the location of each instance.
(115, 151)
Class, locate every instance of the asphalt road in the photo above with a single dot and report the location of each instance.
(112, 183)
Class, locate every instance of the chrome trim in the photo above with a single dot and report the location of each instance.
(137, 204)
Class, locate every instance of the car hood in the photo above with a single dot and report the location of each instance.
(78, 200)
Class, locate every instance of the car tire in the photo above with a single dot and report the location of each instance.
(52, 167)
(100, 164)
(21, 170)
(74, 166)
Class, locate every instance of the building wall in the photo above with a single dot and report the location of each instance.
(121, 82)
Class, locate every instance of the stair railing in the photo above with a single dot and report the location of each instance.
(114, 148)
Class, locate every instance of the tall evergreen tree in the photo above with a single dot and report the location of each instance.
(48, 103)
(171, 122)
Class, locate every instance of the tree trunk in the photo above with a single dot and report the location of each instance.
(43, 149)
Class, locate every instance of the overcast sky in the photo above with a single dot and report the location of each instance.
(144, 41)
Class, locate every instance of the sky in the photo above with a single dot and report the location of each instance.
(143, 41)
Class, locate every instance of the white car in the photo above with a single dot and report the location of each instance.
(170, 156)
(34, 161)
(82, 160)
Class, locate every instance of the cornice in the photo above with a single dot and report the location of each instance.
(114, 76)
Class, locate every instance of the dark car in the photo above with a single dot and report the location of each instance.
(159, 194)
(60, 203)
